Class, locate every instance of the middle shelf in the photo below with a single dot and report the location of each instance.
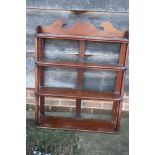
(81, 65)
(78, 94)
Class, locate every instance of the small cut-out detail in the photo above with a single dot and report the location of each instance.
(83, 29)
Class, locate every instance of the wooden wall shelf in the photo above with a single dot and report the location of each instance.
(82, 32)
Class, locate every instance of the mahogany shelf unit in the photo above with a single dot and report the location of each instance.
(81, 32)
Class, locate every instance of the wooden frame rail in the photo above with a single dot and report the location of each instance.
(82, 32)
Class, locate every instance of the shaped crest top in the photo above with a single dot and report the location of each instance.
(83, 29)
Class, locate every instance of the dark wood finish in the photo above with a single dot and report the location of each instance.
(41, 56)
(78, 108)
(78, 94)
(82, 65)
(36, 83)
(119, 87)
(80, 77)
(77, 124)
(83, 29)
(118, 122)
(121, 62)
(89, 38)
(82, 32)
(114, 111)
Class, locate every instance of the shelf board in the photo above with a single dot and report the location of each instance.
(78, 94)
(76, 37)
(80, 65)
(80, 124)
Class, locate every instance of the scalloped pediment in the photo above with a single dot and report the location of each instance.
(83, 29)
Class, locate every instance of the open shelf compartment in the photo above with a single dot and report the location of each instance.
(80, 124)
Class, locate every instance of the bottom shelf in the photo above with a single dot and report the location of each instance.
(80, 124)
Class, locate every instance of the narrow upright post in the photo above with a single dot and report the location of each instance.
(42, 98)
(80, 77)
(119, 87)
(122, 90)
(36, 83)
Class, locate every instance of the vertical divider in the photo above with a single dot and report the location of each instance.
(80, 77)
(36, 82)
(42, 98)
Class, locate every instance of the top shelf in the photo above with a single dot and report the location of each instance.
(75, 37)
(82, 31)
